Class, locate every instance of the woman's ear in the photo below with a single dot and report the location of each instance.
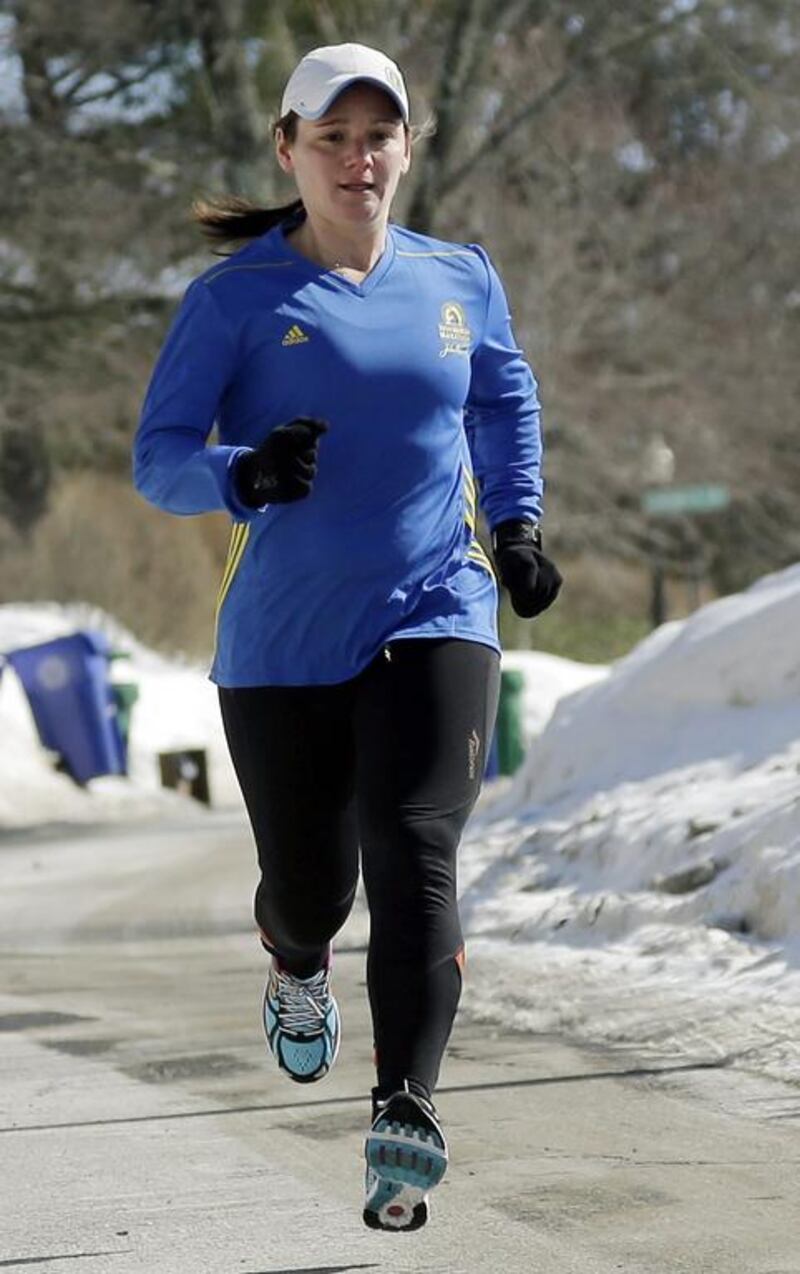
(283, 151)
(407, 156)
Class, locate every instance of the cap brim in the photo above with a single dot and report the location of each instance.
(342, 82)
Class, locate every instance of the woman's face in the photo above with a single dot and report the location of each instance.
(347, 164)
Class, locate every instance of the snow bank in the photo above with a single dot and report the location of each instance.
(724, 683)
(656, 820)
(638, 885)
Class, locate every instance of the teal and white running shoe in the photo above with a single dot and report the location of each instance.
(301, 1021)
(406, 1155)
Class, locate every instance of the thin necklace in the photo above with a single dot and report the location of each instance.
(341, 265)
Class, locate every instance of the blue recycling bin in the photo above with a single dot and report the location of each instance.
(72, 702)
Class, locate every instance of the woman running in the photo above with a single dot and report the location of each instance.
(368, 393)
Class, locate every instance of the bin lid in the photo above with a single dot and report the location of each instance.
(512, 679)
(91, 638)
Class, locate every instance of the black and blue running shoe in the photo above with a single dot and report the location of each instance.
(301, 1021)
(406, 1155)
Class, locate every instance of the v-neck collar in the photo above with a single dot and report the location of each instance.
(380, 268)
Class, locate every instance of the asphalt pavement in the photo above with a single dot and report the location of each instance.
(143, 1126)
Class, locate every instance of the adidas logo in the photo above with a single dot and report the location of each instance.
(295, 336)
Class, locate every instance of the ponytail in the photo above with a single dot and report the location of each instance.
(228, 220)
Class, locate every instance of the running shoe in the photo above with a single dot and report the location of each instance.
(406, 1155)
(301, 1021)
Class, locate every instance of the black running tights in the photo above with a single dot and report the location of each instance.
(390, 761)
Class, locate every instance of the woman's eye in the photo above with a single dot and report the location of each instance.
(379, 138)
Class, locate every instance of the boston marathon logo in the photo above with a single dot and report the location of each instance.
(453, 331)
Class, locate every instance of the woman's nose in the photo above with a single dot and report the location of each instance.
(358, 152)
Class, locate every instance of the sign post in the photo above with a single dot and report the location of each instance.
(671, 502)
(665, 502)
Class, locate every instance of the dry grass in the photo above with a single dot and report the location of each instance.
(602, 612)
(101, 544)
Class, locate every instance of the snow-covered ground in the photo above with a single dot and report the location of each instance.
(637, 884)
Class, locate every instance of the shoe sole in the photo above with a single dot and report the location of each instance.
(405, 1161)
(403, 1210)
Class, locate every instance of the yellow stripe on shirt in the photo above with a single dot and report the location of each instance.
(446, 252)
(470, 515)
(475, 553)
(239, 536)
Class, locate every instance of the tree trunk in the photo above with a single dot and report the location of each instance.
(45, 109)
(463, 50)
(237, 121)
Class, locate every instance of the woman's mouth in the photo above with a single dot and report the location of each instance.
(358, 187)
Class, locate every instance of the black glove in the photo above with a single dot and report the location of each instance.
(531, 578)
(283, 467)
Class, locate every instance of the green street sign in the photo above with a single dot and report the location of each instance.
(672, 501)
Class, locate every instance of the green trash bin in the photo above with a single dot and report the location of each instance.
(124, 694)
(510, 733)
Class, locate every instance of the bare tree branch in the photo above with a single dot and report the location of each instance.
(120, 85)
(78, 80)
(593, 55)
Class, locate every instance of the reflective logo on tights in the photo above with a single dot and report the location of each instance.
(473, 752)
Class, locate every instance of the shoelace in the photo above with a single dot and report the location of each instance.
(303, 1003)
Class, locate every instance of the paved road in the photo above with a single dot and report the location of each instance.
(143, 1129)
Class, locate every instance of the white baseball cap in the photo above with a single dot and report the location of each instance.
(325, 73)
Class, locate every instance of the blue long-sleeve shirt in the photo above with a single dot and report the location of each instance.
(418, 374)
